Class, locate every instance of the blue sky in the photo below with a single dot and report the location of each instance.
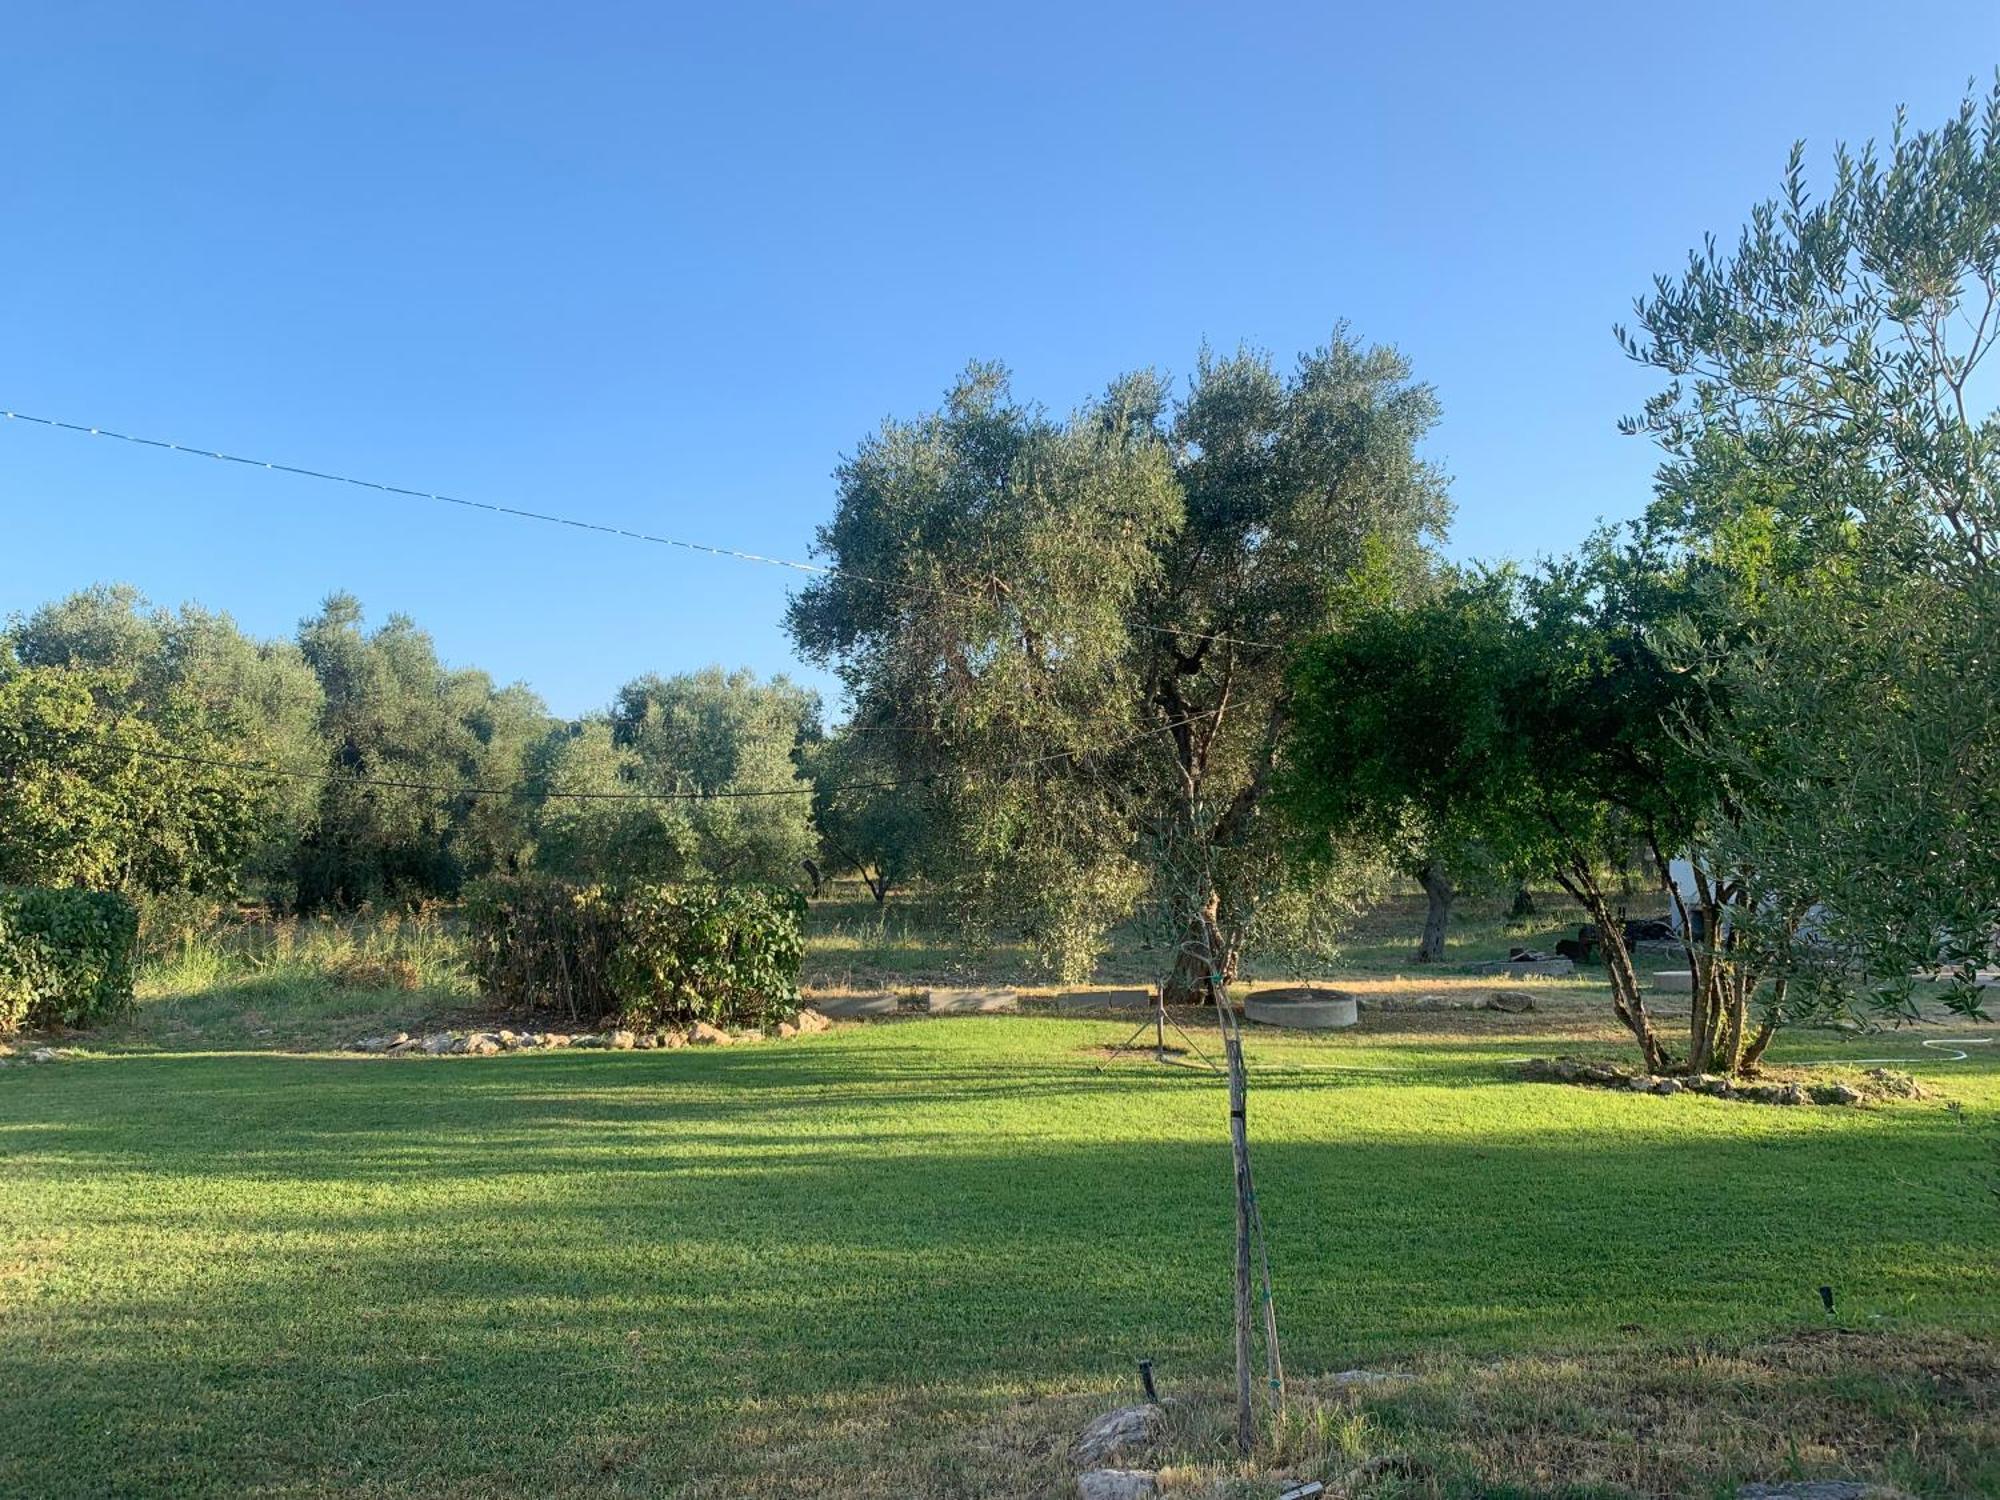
(661, 267)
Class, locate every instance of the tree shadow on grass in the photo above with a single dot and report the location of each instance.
(610, 1273)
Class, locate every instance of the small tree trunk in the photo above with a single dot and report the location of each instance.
(1203, 952)
(1437, 914)
(1626, 1001)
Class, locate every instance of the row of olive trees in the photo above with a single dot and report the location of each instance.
(166, 751)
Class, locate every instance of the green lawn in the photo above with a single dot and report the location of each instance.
(897, 1259)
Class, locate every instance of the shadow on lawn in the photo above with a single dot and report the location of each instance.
(321, 1273)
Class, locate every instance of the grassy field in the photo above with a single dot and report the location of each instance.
(857, 944)
(909, 1259)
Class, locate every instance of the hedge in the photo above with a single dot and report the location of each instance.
(644, 954)
(65, 957)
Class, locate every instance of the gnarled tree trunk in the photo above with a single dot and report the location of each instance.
(1437, 911)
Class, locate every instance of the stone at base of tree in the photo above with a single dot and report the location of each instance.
(1819, 1489)
(1107, 999)
(786, 1029)
(702, 1034)
(621, 1041)
(1117, 1484)
(1604, 1075)
(1348, 1378)
(855, 1007)
(971, 1000)
(810, 1020)
(1126, 1430)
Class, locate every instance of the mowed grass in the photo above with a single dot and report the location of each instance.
(904, 1259)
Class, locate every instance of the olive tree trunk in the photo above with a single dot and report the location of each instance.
(1439, 894)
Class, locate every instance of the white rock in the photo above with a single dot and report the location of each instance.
(1365, 1377)
(1117, 1484)
(622, 1041)
(1127, 1429)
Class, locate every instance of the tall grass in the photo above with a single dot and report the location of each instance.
(390, 951)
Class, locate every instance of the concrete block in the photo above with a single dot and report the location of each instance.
(855, 1007)
(971, 1001)
(1072, 1001)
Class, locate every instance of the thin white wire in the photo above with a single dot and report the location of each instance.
(552, 519)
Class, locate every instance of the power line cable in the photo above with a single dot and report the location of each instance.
(551, 518)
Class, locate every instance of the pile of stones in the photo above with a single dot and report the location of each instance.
(487, 1043)
(8, 1056)
(1610, 1076)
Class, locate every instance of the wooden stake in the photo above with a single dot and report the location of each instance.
(1239, 1148)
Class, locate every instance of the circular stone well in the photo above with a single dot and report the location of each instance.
(1302, 1009)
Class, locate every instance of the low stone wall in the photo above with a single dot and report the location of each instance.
(1071, 1001)
(974, 1000)
(857, 1007)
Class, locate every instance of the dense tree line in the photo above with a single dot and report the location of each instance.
(156, 750)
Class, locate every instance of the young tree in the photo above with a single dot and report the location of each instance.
(1828, 456)
(1092, 618)
(1539, 716)
(1392, 744)
(867, 817)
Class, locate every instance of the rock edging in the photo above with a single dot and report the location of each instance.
(487, 1043)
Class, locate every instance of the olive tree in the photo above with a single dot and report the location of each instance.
(1832, 454)
(1092, 616)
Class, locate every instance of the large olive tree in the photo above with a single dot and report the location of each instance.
(1091, 618)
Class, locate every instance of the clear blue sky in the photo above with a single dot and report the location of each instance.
(662, 267)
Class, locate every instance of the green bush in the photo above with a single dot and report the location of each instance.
(65, 957)
(708, 953)
(641, 953)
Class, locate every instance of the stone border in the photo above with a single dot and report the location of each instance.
(971, 1000)
(1071, 1002)
(488, 1043)
(1886, 1083)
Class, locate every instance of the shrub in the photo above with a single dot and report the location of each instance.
(65, 957)
(647, 954)
(544, 943)
(708, 953)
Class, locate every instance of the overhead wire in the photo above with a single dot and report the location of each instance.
(552, 518)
